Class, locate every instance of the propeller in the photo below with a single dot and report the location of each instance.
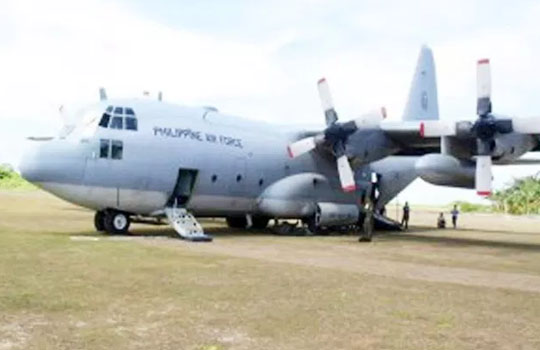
(336, 135)
(485, 128)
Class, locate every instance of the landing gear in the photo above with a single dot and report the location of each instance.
(115, 222)
(260, 222)
(99, 221)
(237, 222)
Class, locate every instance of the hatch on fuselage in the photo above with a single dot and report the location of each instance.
(183, 188)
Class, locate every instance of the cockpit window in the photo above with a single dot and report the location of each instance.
(104, 122)
(103, 148)
(117, 123)
(117, 148)
(131, 124)
(123, 118)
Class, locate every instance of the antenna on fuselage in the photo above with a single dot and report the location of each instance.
(160, 96)
(102, 94)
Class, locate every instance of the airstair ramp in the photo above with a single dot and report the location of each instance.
(185, 224)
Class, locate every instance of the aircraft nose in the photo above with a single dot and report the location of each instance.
(51, 162)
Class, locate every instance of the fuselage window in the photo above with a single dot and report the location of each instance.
(238, 178)
(104, 122)
(110, 109)
(104, 148)
(214, 178)
(131, 124)
(117, 123)
(118, 110)
(117, 149)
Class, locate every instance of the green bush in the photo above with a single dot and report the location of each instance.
(522, 197)
(11, 180)
(466, 207)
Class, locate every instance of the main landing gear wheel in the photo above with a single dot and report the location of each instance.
(260, 222)
(237, 222)
(116, 223)
(99, 221)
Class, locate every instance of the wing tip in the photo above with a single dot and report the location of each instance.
(322, 80)
(483, 61)
(422, 130)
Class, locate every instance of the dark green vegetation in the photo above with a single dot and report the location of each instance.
(10, 180)
(522, 197)
(64, 287)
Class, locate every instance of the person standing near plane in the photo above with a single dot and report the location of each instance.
(455, 213)
(405, 218)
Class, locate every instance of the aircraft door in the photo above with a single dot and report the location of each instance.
(183, 189)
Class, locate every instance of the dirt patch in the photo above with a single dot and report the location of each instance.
(355, 260)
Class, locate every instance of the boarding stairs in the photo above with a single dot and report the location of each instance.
(185, 224)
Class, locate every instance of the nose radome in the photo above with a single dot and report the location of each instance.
(27, 166)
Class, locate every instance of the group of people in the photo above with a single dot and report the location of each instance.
(441, 221)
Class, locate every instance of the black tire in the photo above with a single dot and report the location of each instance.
(99, 221)
(260, 222)
(237, 222)
(116, 222)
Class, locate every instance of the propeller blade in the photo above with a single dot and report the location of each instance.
(526, 125)
(346, 175)
(483, 175)
(302, 146)
(436, 128)
(483, 87)
(371, 119)
(326, 102)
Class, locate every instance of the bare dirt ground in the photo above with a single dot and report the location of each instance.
(62, 286)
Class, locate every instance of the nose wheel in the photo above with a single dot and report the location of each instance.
(111, 221)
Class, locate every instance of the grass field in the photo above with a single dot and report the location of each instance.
(62, 286)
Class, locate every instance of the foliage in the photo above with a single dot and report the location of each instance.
(522, 197)
(9, 180)
(466, 207)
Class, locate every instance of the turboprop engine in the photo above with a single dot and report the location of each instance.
(296, 196)
(445, 170)
(331, 214)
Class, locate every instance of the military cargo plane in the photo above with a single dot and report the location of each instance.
(141, 159)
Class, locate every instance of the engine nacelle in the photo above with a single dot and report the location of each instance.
(332, 214)
(445, 170)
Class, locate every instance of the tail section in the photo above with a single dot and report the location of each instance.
(423, 103)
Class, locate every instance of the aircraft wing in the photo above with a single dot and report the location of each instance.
(409, 137)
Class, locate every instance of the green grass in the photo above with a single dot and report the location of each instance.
(59, 293)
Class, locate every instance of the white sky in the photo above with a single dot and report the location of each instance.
(262, 59)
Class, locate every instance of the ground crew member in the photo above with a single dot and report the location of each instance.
(455, 213)
(405, 218)
(441, 221)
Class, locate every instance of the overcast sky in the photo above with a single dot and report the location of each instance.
(262, 59)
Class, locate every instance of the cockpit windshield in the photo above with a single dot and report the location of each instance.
(119, 118)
